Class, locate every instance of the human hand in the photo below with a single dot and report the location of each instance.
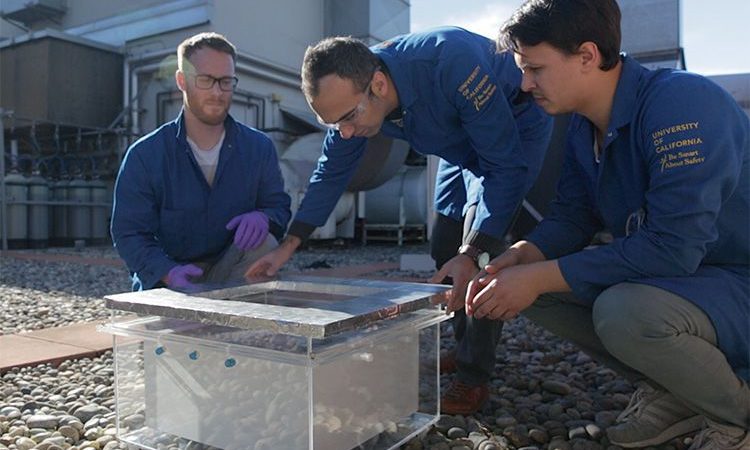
(179, 276)
(252, 229)
(508, 258)
(504, 294)
(461, 269)
(272, 261)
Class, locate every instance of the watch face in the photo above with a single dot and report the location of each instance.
(483, 259)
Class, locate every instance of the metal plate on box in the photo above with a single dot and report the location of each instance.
(303, 306)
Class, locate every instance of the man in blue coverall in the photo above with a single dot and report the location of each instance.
(661, 160)
(195, 200)
(448, 93)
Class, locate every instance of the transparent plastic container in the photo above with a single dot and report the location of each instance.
(203, 385)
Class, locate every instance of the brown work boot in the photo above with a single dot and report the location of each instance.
(463, 399)
(448, 362)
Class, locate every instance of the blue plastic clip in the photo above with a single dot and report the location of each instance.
(159, 350)
(193, 355)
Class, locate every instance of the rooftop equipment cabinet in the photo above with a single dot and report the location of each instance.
(50, 77)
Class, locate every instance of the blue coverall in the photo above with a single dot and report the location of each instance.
(166, 214)
(461, 101)
(672, 186)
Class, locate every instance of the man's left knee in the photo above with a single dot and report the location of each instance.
(625, 319)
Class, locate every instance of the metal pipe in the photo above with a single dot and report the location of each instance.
(93, 130)
(125, 94)
(3, 206)
(134, 119)
(58, 203)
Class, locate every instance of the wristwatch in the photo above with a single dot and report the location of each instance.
(480, 257)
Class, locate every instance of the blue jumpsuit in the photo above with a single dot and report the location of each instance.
(166, 214)
(672, 186)
(461, 101)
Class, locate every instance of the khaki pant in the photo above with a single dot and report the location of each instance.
(231, 266)
(647, 333)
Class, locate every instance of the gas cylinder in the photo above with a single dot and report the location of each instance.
(38, 220)
(59, 223)
(79, 216)
(99, 214)
(16, 190)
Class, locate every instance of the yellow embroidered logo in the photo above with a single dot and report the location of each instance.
(676, 148)
(477, 92)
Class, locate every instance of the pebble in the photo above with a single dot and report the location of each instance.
(539, 436)
(456, 433)
(69, 432)
(577, 433)
(440, 446)
(505, 421)
(24, 443)
(594, 431)
(559, 445)
(42, 421)
(86, 413)
(556, 387)
(546, 393)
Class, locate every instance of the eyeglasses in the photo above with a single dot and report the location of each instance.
(352, 115)
(206, 82)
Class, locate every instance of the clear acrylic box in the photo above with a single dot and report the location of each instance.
(303, 363)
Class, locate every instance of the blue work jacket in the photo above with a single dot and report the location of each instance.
(166, 214)
(672, 186)
(461, 101)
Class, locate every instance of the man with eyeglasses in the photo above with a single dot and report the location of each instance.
(201, 198)
(448, 93)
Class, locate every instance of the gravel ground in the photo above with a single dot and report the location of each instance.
(41, 294)
(546, 393)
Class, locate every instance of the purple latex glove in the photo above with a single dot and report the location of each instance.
(252, 229)
(179, 276)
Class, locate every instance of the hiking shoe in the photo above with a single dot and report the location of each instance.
(464, 399)
(717, 436)
(448, 362)
(652, 417)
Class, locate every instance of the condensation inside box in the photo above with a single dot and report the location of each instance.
(380, 391)
(285, 364)
(264, 339)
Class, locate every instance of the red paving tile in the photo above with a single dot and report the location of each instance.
(19, 350)
(83, 335)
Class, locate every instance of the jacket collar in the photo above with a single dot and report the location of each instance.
(626, 94)
(399, 76)
(230, 128)
(625, 101)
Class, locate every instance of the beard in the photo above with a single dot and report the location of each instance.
(211, 114)
(212, 111)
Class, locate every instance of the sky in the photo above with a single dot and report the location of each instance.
(714, 34)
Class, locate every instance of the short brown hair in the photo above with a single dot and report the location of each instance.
(211, 40)
(344, 56)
